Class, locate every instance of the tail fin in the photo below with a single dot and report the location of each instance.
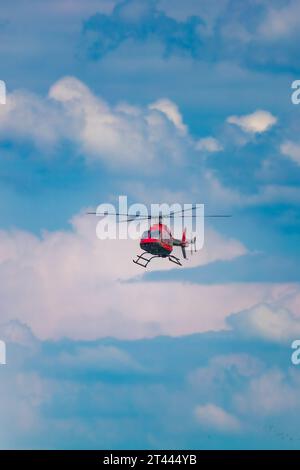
(183, 243)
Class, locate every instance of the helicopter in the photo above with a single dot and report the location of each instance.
(157, 241)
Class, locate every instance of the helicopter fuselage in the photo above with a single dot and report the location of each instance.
(156, 247)
(158, 240)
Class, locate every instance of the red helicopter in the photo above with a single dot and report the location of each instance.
(158, 241)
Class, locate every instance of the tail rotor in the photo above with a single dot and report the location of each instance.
(185, 243)
(193, 245)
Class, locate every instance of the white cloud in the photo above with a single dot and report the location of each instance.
(213, 417)
(208, 144)
(291, 150)
(267, 395)
(69, 283)
(171, 110)
(266, 322)
(121, 136)
(256, 123)
(143, 139)
(26, 116)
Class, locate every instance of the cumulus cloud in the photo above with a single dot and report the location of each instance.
(70, 283)
(291, 150)
(27, 116)
(266, 322)
(209, 144)
(171, 111)
(214, 417)
(256, 123)
(121, 136)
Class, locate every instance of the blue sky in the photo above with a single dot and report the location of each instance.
(164, 102)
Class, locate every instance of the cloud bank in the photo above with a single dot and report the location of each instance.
(71, 283)
(125, 394)
(121, 137)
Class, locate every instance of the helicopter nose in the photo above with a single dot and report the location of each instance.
(150, 246)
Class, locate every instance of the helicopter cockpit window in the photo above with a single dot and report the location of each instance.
(165, 235)
(155, 234)
(146, 234)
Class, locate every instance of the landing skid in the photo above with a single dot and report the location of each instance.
(175, 260)
(144, 259)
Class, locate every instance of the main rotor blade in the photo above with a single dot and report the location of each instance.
(199, 215)
(181, 210)
(130, 216)
(148, 217)
(114, 213)
(138, 219)
(190, 209)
